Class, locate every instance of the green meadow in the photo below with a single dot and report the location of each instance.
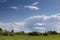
(24, 37)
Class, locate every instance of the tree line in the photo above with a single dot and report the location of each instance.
(12, 33)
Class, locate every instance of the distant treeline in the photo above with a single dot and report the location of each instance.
(34, 33)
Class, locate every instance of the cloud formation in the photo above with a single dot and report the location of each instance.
(13, 7)
(44, 17)
(16, 26)
(35, 3)
(32, 6)
(39, 24)
(35, 23)
(45, 22)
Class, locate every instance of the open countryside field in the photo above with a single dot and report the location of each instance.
(22, 37)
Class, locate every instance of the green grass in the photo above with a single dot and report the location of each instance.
(51, 37)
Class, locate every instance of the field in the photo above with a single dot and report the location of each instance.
(22, 37)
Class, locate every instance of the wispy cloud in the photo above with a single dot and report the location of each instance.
(32, 6)
(13, 7)
(3, 0)
(35, 3)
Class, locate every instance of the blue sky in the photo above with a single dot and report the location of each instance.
(22, 15)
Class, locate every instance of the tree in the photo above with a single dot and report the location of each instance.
(52, 32)
(11, 33)
(45, 34)
(1, 31)
(6, 33)
(33, 33)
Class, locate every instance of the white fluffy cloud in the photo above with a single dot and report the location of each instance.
(16, 26)
(44, 17)
(35, 23)
(57, 16)
(48, 22)
(40, 26)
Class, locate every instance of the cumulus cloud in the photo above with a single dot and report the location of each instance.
(44, 17)
(58, 26)
(48, 22)
(42, 28)
(39, 24)
(32, 6)
(36, 23)
(16, 26)
(5, 25)
(57, 16)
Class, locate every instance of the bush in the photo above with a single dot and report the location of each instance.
(6, 33)
(45, 34)
(33, 33)
(20, 33)
(1, 31)
(52, 32)
(11, 33)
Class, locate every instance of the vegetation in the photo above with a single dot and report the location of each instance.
(50, 35)
(12, 33)
(24, 37)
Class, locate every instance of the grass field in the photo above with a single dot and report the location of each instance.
(51, 37)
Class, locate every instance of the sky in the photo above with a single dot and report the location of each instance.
(30, 15)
